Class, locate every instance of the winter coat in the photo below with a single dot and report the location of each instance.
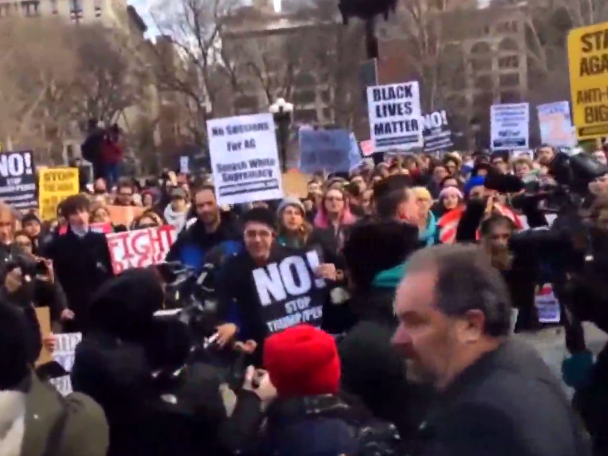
(194, 243)
(39, 421)
(317, 425)
(508, 402)
(81, 265)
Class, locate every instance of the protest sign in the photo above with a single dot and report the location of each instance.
(324, 150)
(18, 179)
(510, 126)
(64, 356)
(140, 248)
(244, 158)
(289, 292)
(394, 113)
(124, 215)
(295, 184)
(55, 185)
(367, 147)
(436, 132)
(555, 124)
(43, 315)
(587, 47)
(184, 164)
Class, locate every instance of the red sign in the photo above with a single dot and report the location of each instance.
(367, 147)
(140, 248)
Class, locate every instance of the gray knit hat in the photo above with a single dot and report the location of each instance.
(290, 201)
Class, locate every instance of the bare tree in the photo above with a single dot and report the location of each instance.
(37, 67)
(547, 26)
(109, 79)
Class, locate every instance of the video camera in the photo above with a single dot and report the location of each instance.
(29, 266)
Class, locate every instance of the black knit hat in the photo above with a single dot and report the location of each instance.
(374, 246)
(262, 215)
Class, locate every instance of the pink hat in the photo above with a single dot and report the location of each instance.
(451, 190)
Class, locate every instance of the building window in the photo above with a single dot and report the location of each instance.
(30, 8)
(484, 82)
(75, 10)
(304, 80)
(98, 7)
(326, 96)
(509, 80)
(306, 116)
(481, 47)
(54, 8)
(507, 44)
(510, 97)
(509, 62)
(327, 113)
(481, 65)
(304, 97)
(245, 102)
(483, 101)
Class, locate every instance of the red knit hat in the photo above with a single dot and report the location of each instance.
(302, 361)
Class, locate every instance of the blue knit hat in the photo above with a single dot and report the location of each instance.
(474, 181)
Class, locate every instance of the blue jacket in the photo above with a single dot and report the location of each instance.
(194, 243)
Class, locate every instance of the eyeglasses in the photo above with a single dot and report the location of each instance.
(334, 199)
(124, 194)
(145, 226)
(24, 244)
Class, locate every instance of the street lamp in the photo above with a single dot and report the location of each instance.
(282, 113)
(367, 10)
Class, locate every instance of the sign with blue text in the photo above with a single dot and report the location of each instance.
(244, 159)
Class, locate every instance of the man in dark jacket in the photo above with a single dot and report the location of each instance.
(496, 396)
(211, 229)
(34, 418)
(134, 367)
(81, 260)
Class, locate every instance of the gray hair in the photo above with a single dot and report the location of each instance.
(466, 280)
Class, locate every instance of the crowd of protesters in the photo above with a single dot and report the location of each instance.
(422, 293)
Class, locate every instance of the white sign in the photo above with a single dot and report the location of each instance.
(244, 159)
(184, 165)
(510, 126)
(64, 356)
(555, 124)
(394, 112)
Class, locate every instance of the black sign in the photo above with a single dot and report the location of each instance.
(289, 292)
(437, 135)
(18, 179)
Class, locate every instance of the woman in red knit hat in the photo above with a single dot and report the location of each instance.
(307, 416)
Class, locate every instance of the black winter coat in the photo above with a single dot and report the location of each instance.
(177, 416)
(81, 265)
(506, 403)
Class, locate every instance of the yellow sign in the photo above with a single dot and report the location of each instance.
(588, 73)
(55, 185)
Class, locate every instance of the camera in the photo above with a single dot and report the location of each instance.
(29, 267)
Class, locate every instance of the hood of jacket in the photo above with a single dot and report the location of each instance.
(110, 370)
(175, 218)
(428, 236)
(124, 305)
(389, 279)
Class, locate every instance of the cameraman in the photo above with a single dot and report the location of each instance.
(133, 365)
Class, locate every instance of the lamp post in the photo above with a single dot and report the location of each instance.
(367, 10)
(282, 113)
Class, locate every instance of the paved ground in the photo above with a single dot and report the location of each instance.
(551, 345)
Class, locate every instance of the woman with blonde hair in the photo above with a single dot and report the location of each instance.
(427, 220)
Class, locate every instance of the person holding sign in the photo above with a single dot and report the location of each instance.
(267, 288)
